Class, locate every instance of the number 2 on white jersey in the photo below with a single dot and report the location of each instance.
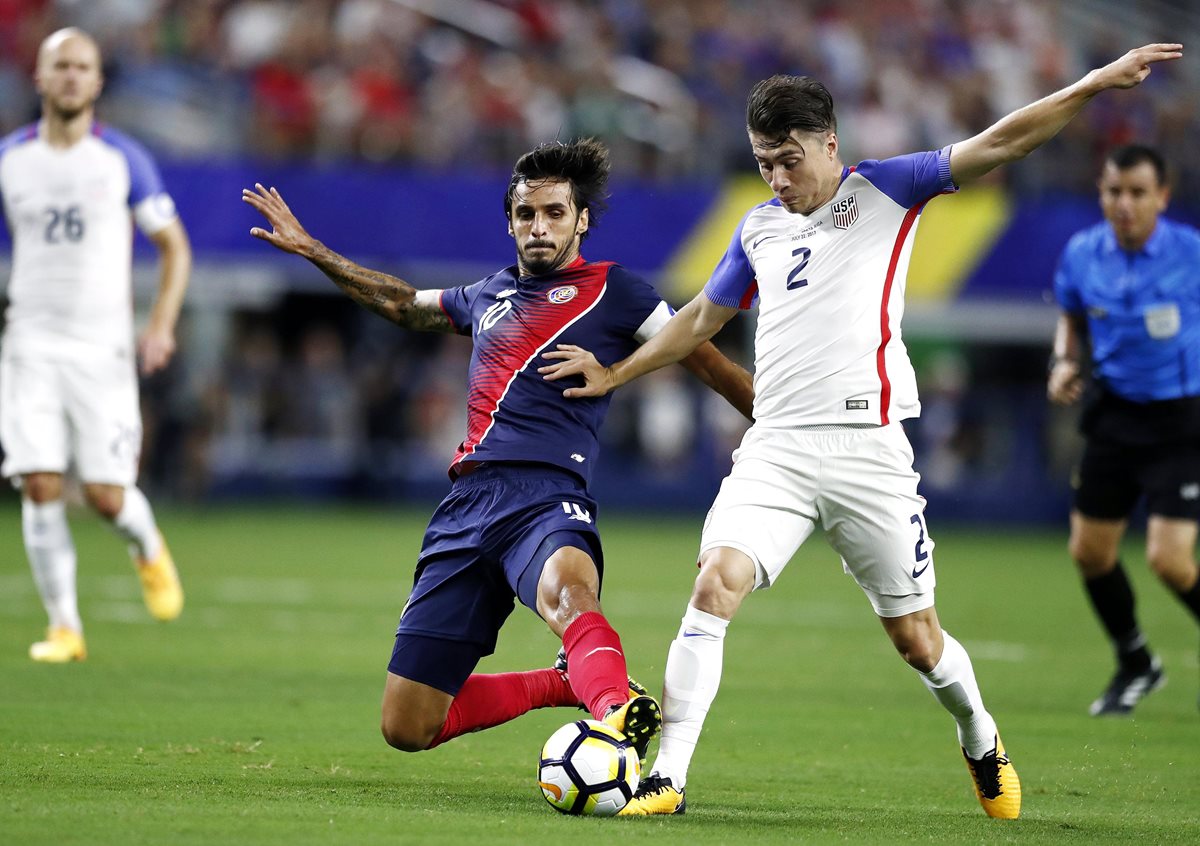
(792, 282)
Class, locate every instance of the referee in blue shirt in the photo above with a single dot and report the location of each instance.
(1129, 289)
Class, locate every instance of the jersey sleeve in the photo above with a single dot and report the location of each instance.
(911, 179)
(641, 308)
(1066, 287)
(734, 284)
(153, 209)
(457, 303)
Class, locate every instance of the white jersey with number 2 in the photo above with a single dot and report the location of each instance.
(830, 286)
(70, 211)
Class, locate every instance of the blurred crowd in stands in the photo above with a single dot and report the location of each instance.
(320, 394)
(443, 82)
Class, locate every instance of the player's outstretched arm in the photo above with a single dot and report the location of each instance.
(1065, 384)
(157, 342)
(694, 324)
(726, 377)
(387, 296)
(1020, 133)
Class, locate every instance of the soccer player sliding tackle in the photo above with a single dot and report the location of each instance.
(519, 521)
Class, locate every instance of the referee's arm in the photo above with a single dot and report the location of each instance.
(1065, 384)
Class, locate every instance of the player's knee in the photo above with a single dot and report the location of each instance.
(568, 587)
(722, 584)
(41, 488)
(918, 639)
(1176, 570)
(919, 653)
(105, 500)
(407, 734)
(1091, 558)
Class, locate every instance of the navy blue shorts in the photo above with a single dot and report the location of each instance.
(486, 544)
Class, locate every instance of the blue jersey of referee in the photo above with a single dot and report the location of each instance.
(1142, 308)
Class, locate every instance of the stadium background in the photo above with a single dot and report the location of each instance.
(390, 125)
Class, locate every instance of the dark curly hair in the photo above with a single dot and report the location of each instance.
(782, 103)
(583, 163)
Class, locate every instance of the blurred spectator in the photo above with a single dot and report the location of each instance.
(663, 82)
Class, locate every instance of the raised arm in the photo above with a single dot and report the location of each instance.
(694, 324)
(1018, 134)
(157, 342)
(1065, 384)
(387, 296)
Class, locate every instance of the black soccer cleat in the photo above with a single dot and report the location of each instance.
(1127, 689)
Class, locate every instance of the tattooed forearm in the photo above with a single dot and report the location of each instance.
(388, 296)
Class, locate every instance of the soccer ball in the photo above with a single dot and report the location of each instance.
(588, 767)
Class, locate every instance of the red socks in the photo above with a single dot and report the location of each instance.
(596, 663)
(598, 679)
(488, 700)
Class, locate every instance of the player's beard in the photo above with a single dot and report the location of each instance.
(542, 263)
(68, 113)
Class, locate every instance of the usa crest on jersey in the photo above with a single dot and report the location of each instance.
(845, 212)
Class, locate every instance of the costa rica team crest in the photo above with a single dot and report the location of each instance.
(845, 212)
(562, 294)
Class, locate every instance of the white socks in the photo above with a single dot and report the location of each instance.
(51, 554)
(692, 677)
(952, 683)
(135, 523)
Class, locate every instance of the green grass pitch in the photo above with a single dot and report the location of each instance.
(253, 719)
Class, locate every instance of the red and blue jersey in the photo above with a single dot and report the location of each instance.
(513, 414)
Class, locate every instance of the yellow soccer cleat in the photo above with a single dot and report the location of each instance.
(655, 795)
(996, 784)
(160, 584)
(639, 719)
(60, 646)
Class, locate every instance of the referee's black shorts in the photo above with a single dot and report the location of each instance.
(1113, 476)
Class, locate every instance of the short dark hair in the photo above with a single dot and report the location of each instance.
(784, 102)
(1132, 155)
(583, 163)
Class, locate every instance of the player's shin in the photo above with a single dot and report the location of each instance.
(690, 685)
(952, 683)
(135, 523)
(488, 700)
(597, 663)
(51, 555)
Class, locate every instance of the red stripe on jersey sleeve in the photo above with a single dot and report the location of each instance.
(748, 297)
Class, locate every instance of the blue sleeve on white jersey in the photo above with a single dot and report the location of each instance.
(734, 278)
(457, 302)
(1066, 284)
(144, 179)
(911, 179)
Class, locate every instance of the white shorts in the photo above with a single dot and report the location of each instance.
(77, 414)
(858, 484)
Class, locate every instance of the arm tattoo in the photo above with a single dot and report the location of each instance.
(388, 296)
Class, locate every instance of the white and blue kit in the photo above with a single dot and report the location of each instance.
(832, 381)
(68, 382)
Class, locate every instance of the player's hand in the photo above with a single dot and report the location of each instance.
(286, 232)
(576, 361)
(1066, 382)
(1134, 66)
(155, 348)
